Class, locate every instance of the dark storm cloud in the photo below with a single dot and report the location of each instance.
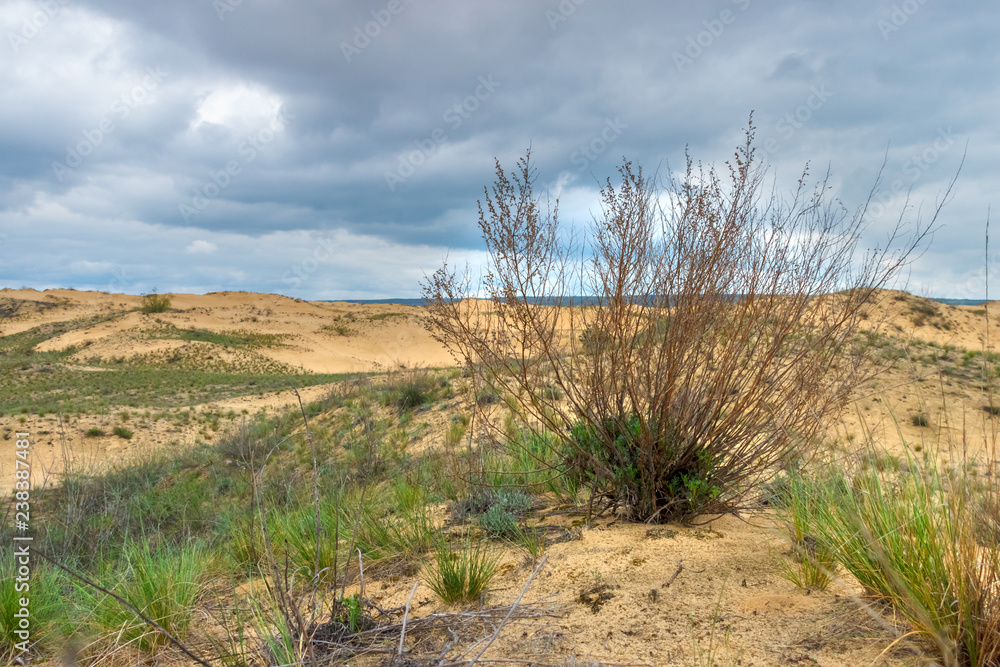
(230, 120)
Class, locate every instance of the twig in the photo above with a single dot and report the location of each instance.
(680, 567)
(402, 633)
(512, 608)
(128, 604)
(361, 573)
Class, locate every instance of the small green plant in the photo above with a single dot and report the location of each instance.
(511, 501)
(464, 575)
(352, 613)
(94, 432)
(920, 421)
(122, 432)
(155, 303)
(498, 521)
(531, 540)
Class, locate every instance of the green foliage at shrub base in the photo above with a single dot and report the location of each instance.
(684, 483)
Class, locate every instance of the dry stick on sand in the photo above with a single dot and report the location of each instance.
(402, 633)
(680, 568)
(496, 633)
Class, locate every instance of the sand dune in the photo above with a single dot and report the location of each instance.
(658, 613)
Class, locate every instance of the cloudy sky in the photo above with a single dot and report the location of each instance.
(330, 149)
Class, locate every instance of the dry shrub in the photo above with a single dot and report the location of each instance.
(715, 331)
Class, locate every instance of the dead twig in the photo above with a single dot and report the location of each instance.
(496, 633)
(402, 633)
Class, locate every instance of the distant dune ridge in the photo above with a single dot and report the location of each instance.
(320, 336)
(341, 336)
(292, 335)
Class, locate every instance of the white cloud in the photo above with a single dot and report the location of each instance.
(238, 106)
(200, 247)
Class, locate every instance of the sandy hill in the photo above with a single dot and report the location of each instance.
(674, 592)
(317, 336)
(936, 380)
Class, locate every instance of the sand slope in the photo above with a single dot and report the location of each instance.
(675, 592)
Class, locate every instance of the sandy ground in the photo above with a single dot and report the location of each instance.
(675, 594)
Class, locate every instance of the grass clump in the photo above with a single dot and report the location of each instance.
(49, 609)
(812, 561)
(122, 432)
(464, 575)
(94, 433)
(915, 539)
(163, 584)
(406, 390)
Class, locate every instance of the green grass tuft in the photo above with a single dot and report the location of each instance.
(164, 585)
(464, 575)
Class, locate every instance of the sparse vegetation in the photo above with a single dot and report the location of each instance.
(294, 537)
(153, 303)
